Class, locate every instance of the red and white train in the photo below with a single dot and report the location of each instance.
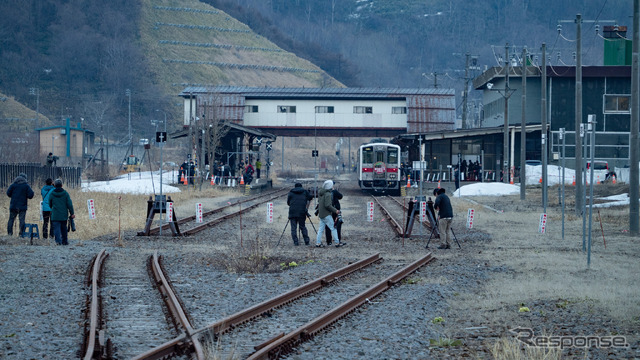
(379, 167)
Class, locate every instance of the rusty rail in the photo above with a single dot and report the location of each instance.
(281, 345)
(178, 314)
(179, 344)
(95, 346)
(156, 230)
(394, 224)
(216, 221)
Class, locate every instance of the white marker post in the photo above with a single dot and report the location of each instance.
(270, 212)
(169, 212)
(470, 214)
(542, 228)
(370, 211)
(92, 209)
(199, 212)
(423, 211)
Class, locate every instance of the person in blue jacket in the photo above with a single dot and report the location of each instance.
(47, 227)
(19, 192)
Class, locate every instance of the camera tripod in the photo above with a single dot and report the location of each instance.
(287, 224)
(435, 227)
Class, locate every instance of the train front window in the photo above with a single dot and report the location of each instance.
(367, 155)
(392, 156)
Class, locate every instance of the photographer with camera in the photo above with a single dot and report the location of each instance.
(445, 214)
(336, 196)
(325, 210)
(61, 210)
(298, 201)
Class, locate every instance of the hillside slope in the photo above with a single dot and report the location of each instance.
(188, 42)
(79, 54)
(19, 118)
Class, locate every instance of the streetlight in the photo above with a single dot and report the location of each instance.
(36, 91)
(162, 140)
(53, 138)
(128, 93)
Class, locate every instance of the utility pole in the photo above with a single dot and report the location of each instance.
(578, 110)
(523, 130)
(578, 119)
(465, 92)
(543, 121)
(190, 141)
(505, 151)
(634, 146)
(128, 93)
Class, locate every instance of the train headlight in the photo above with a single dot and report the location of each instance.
(392, 176)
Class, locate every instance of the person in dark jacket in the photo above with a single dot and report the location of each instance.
(336, 196)
(192, 173)
(61, 210)
(19, 192)
(445, 213)
(248, 174)
(298, 201)
(47, 227)
(325, 209)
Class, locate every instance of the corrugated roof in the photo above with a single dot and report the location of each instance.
(267, 92)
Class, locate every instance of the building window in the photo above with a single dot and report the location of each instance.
(399, 110)
(617, 104)
(286, 109)
(363, 110)
(251, 108)
(324, 109)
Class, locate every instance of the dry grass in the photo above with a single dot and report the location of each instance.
(254, 257)
(543, 266)
(114, 212)
(213, 350)
(512, 349)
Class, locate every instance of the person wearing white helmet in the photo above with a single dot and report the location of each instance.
(325, 209)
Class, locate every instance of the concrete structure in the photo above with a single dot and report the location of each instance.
(69, 144)
(340, 112)
(606, 93)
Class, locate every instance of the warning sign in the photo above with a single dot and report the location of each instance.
(92, 209)
(169, 211)
(199, 212)
(470, 214)
(542, 228)
(270, 212)
(370, 211)
(423, 211)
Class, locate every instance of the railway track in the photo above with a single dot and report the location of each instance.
(189, 226)
(130, 318)
(127, 320)
(285, 343)
(396, 214)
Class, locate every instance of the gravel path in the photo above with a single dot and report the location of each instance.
(42, 295)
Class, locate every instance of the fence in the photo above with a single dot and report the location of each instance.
(37, 174)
